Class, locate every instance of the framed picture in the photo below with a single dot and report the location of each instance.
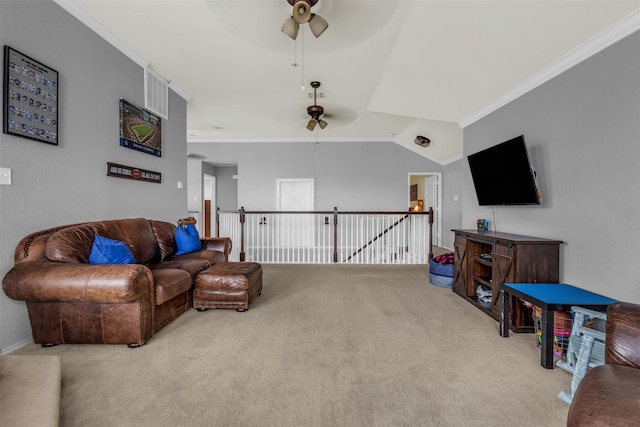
(139, 129)
(30, 101)
(413, 192)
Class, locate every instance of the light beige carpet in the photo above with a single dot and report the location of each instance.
(325, 345)
(29, 390)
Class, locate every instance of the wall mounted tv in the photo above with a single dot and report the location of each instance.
(502, 175)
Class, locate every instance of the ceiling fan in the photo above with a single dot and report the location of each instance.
(315, 111)
(302, 14)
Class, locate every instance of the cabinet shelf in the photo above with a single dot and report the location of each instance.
(474, 300)
(482, 261)
(483, 280)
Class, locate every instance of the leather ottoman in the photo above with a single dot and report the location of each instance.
(228, 285)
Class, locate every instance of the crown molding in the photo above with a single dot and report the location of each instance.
(270, 140)
(77, 12)
(179, 91)
(88, 20)
(613, 34)
(452, 159)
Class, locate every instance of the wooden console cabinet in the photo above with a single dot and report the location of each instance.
(514, 259)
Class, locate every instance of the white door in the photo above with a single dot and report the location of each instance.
(432, 199)
(295, 194)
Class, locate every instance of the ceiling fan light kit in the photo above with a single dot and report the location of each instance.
(301, 15)
(317, 25)
(290, 28)
(301, 11)
(311, 125)
(315, 111)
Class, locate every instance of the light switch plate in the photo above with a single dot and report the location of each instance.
(5, 176)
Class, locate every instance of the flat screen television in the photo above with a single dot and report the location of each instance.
(502, 175)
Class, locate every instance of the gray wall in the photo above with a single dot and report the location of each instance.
(583, 133)
(452, 192)
(195, 183)
(349, 175)
(55, 185)
(227, 188)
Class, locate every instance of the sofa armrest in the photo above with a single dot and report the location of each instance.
(623, 331)
(222, 244)
(49, 281)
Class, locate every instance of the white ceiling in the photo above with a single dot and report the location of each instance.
(389, 69)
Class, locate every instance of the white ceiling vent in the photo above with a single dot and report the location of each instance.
(156, 94)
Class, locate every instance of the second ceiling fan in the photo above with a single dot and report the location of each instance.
(315, 111)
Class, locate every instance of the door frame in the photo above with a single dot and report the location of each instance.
(437, 210)
(209, 195)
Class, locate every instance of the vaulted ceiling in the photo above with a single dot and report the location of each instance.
(389, 69)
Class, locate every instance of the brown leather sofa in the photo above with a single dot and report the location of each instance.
(74, 302)
(609, 395)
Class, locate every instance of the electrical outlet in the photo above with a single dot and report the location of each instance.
(5, 176)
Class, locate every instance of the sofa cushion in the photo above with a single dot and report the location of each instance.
(191, 266)
(73, 244)
(166, 237)
(169, 283)
(187, 239)
(211, 257)
(109, 251)
(138, 235)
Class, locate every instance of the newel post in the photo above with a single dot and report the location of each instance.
(218, 221)
(335, 234)
(430, 232)
(242, 220)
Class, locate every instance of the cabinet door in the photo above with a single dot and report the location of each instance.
(503, 271)
(460, 265)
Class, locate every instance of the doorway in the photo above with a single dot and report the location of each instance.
(209, 205)
(295, 194)
(429, 190)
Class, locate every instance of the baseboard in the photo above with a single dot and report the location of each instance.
(16, 346)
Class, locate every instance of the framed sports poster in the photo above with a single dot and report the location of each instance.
(139, 129)
(30, 101)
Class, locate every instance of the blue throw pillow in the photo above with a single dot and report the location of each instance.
(187, 239)
(108, 251)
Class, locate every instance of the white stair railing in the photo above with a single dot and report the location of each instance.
(328, 237)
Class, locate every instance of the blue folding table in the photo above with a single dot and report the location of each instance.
(549, 297)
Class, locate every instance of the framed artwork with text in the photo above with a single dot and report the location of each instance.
(30, 98)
